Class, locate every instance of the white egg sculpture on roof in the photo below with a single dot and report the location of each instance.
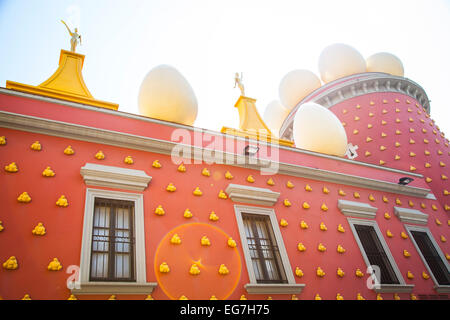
(166, 95)
(274, 115)
(296, 85)
(339, 60)
(318, 129)
(385, 62)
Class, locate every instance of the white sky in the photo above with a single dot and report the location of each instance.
(209, 40)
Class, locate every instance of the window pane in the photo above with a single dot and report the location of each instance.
(100, 240)
(375, 253)
(122, 218)
(122, 266)
(248, 229)
(101, 216)
(112, 255)
(266, 259)
(99, 265)
(257, 268)
(432, 257)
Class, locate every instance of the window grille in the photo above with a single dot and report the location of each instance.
(375, 253)
(432, 257)
(112, 251)
(264, 252)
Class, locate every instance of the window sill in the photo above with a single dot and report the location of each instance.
(394, 288)
(115, 288)
(442, 289)
(265, 288)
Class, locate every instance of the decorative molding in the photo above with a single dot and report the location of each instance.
(352, 86)
(125, 140)
(411, 215)
(431, 196)
(169, 124)
(114, 177)
(252, 195)
(115, 288)
(274, 288)
(357, 209)
(352, 180)
(181, 126)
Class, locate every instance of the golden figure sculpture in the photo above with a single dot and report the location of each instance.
(75, 37)
(238, 82)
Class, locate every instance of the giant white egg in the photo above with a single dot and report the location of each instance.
(318, 129)
(166, 95)
(296, 85)
(274, 115)
(339, 60)
(385, 62)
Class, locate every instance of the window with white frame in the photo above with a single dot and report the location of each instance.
(263, 248)
(378, 257)
(375, 251)
(113, 244)
(112, 250)
(432, 256)
(266, 258)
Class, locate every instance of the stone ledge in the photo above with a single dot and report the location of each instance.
(357, 209)
(114, 177)
(115, 288)
(252, 195)
(411, 215)
(278, 288)
(394, 288)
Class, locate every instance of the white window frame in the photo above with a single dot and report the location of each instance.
(291, 287)
(140, 286)
(381, 288)
(438, 287)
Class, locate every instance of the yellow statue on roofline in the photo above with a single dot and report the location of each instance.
(238, 82)
(251, 125)
(66, 83)
(75, 37)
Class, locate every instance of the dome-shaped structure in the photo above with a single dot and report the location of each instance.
(392, 129)
(339, 60)
(296, 85)
(166, 95)
(317, 129)
(385, 62)
(274, 115)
